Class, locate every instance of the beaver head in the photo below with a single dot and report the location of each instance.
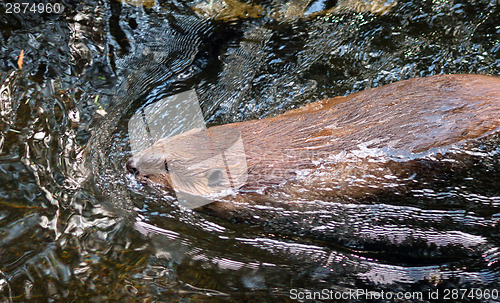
(200, 162)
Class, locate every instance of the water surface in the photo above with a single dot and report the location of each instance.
(75, 226)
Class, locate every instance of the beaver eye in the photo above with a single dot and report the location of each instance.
(214, 177)
(166, 166)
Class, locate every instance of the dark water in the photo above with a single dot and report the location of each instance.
(74, 226)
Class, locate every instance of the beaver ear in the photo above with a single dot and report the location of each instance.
(214, 177)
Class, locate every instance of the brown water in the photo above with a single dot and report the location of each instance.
(75, 226)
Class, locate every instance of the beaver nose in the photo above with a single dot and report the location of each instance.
(131, 167)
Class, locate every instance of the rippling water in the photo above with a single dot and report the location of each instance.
(74, 225)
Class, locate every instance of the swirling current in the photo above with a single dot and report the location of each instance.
(76, 226)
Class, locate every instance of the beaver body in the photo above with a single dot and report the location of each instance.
(345, 147)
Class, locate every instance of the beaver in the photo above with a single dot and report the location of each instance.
(346, 147)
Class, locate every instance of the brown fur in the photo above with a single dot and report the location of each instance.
(345, 146)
